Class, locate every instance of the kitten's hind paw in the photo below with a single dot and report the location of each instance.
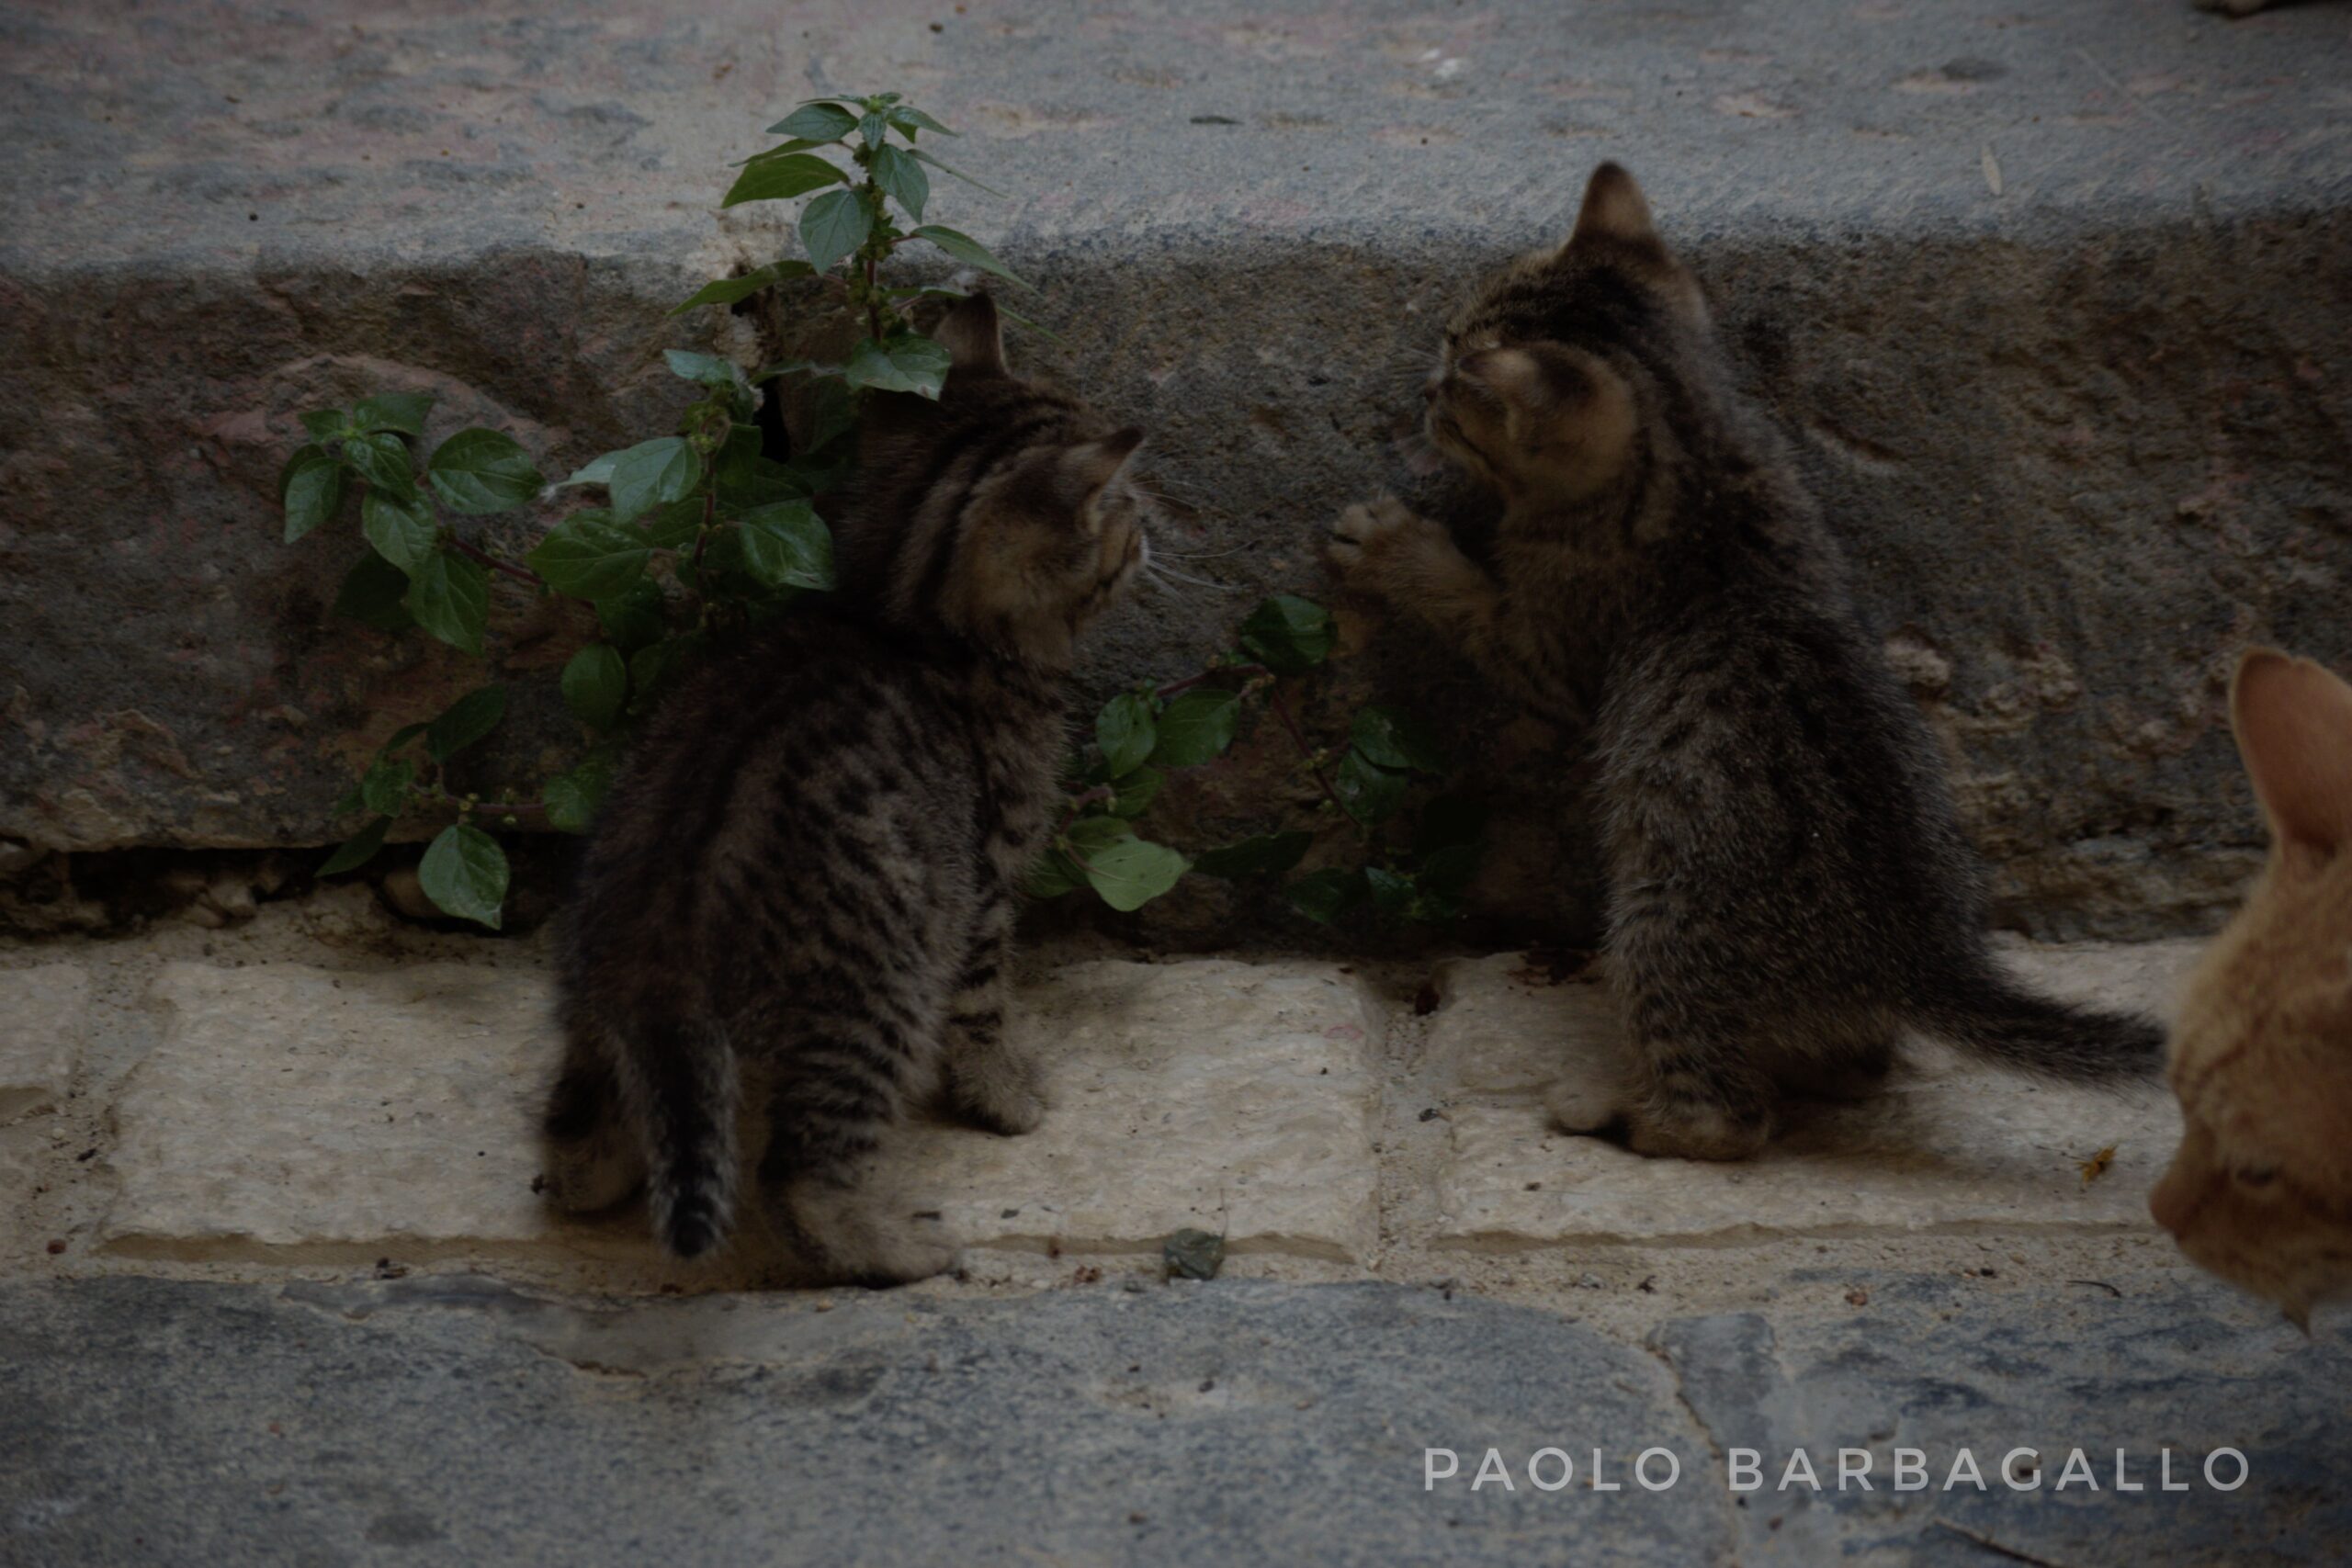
(996, 1090)
(858, 1239)
(1702, 1132)
(1580, 1105)
(586, 1175)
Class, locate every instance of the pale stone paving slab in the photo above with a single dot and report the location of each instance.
(1213, 1094)
(1947, 1143)
(44, 1013)
(293, 1110)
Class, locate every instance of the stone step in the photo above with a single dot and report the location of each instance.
(2054, 300)
(294, 1115)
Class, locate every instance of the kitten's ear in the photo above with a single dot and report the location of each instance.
(2293, 721)
(1615, 208)
(972, 335)
(1087, 468)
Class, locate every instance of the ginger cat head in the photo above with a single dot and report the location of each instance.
(2260, 1191)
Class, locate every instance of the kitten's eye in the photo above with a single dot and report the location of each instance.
(2256, 1176)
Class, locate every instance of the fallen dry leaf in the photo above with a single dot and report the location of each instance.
(2096, 1167)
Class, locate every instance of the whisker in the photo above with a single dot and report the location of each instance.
(1198, 581)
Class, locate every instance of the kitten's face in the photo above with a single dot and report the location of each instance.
(2260, 1191)
(1538, 388)
(1006, 511)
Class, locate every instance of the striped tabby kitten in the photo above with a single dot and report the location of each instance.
(1788, 885)
(804, 887)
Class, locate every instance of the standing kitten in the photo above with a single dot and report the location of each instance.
(805, 885)
(1788, 885)
(2260, 1191)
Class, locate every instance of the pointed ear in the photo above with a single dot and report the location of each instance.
(1087, 468)
(1615, 208)
(972, 334)
(2293, 721)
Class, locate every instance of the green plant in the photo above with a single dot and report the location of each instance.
(702, 536)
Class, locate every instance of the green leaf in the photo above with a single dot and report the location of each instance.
(901, 365)
(1133, 872)
(1196, 726)
(727, 290)
(1136, 791)
(1288, 635)
(633, 617)
(464, 872)
(465, 722)
(311, 487)
(901, 179)
(371, 594)
(1392, 893)
(1369, 793)
(652, 473)
(588, 558)
(1050, 875)
(816, 121)
(872, 129)
(654, 666)
(449, 597)
(968, 250)
(781, 178)
(595, 685)
(832, 413)
(910, 120)
(382, 460)
(1396, 740)
(358, 849)
(572, 798)
(705, 369)
(403, 411)
(403, 532)
(921, 157)
(384, 787)
(1257, 855)
(400, 737)
(1125, 732)
(786, 546)
(833, 226)
(795, 145)
(1323, 895)
(483, 470)
(326, 424)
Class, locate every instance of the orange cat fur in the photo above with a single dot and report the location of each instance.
(2260, 1191)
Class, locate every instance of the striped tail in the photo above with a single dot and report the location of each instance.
(1994, 1017)
(689, 1125)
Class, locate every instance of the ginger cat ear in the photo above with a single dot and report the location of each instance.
(1615, 208)
(2293, 722)
(972, 335)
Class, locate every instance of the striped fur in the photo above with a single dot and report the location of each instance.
(1788, 886)
(798, 901)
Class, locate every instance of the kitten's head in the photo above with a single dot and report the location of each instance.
(1004, 514)
(2260, 1191)
(1547, 377)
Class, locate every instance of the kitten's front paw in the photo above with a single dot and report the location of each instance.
(997, 1089)
(1581, 1104)
(1367, 530)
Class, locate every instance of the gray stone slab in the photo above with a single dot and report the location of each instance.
(2052, 300)
(447, 1420)
(44, 1013)
(1947, 1144)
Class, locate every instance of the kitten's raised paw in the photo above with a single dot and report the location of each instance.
(1698, 1133)
(1362, 527)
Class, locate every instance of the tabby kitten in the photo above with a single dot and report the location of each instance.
(803, 889)
(2260, 1191)
(1788, 885)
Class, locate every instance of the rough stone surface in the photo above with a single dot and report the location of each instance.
(292, 1112)
(452, 1420)
(295, 1108)
(2052, 300)
(1947, 1144)
(43, 1012)
(1217, 1095)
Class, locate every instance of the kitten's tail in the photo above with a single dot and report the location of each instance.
(1993, 1015)
(690, 1089)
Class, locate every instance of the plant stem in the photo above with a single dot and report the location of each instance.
(519, 573)
(1282, 711)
